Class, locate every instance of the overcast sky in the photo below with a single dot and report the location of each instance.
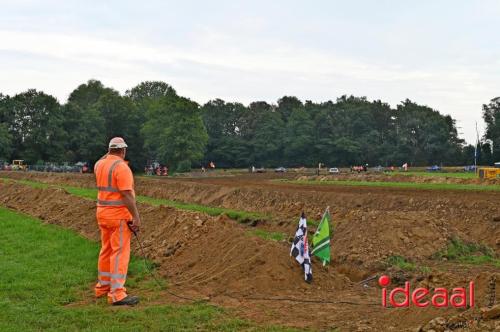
(444, 54)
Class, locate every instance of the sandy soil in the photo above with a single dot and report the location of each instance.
(216, 257)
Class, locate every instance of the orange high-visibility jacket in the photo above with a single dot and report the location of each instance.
(112, 175)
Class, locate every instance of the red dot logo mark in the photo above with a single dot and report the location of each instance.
(384, 281)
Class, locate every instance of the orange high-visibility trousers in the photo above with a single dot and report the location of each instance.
(113, 259)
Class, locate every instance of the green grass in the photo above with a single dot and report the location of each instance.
(91, 193)
(313, 223)
(389, 184)
(241, 216)
(459, 175)
(468, 252)
(403, 264)
(46, 280)
(266, 235)
(34, 184)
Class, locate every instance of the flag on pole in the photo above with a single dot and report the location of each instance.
(321, 239)
(300, 248)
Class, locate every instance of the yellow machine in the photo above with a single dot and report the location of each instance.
(489, 173)
(18, 165)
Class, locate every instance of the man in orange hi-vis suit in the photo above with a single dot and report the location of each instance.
(116, 208)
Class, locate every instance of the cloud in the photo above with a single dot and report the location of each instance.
(216, 66)
(287, 60)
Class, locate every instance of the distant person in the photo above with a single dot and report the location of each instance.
(117, 217)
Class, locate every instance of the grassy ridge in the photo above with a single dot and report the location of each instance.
(389, 184)
(240, 216)
(47, 277)
(266, 235)
(458, 175)
(91, 193)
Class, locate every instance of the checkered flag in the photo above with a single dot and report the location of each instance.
(300, 248)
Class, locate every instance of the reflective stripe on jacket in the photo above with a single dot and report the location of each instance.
(107, 194)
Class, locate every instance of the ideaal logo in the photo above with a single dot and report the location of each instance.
(439, 297)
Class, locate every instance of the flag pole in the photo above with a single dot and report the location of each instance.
(326, 210)
(324, 214)
(475, 152)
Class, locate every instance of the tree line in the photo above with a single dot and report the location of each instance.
(158, 124)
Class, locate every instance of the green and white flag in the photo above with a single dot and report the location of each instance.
(321, 239)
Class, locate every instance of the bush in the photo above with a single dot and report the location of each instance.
(184, 166)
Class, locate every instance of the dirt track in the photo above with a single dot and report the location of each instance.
(215, 256)
(371, 223)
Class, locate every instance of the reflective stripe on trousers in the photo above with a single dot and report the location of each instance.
(113, 259)
(111, 275)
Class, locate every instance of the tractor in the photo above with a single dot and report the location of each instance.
(18, 165)
(490, 172)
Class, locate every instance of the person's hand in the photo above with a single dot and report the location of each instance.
(135, 225)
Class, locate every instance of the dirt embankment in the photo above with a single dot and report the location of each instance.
(371, 224)
(70, 179)
(215, 257)
(204, 255)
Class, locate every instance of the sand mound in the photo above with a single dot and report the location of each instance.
(217, 258)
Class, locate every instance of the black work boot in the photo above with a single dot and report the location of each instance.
(129, 300)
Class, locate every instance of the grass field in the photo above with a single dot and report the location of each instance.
(389, 184)
(46, 280)
(458, 175)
